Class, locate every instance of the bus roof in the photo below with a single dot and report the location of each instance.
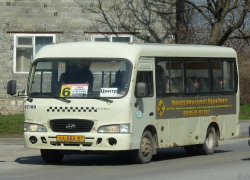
(131, 51)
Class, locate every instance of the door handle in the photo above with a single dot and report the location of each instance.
(151, 114)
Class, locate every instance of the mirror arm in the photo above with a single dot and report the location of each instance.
(29, 99)
(136, 103)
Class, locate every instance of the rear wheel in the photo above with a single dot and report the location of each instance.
(145, 153)
(51, 156)
(210, 142)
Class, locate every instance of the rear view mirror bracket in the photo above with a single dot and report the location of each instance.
(136, 103)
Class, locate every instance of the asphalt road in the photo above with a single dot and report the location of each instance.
(244, 125)
(230, 161)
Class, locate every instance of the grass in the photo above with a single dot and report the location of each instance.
(11, 125)
(245, 112)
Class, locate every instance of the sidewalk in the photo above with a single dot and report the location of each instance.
(11, 141)
(244, 125)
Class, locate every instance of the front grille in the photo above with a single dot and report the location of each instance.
(62, 125)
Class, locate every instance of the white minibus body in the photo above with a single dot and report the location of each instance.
(130, 97)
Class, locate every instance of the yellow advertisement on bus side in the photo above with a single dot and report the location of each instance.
(177, 107)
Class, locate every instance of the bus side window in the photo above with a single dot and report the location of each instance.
(176, 77)
(169, 77)
(223, 76)
(198, 73)
(146, 77)
(161, 80)
(228, 74)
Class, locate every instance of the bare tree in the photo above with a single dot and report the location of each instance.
(214, 22)
(221, 20)
(183, 24)
(149, 20)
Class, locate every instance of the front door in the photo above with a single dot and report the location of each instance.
(143, 108)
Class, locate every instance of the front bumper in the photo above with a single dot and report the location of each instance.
(92, 141)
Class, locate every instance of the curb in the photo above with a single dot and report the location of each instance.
(11, 141)
(243, 134)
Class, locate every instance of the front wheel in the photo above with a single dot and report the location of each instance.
(210, 142)
(145, 153)
(51, 156)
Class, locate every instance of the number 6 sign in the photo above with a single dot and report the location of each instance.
(74, 90)
(66, 91)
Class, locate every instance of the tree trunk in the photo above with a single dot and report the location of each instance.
(216, 34)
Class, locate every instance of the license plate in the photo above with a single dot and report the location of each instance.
(70, 138)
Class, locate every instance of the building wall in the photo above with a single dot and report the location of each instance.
(65, 17)
(36, 16)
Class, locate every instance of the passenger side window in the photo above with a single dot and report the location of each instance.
(228, 76)
(146, 77)
(223, 79)
(197, 77)
(169, 77)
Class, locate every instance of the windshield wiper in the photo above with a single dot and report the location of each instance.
(62, 99)
(106, 100)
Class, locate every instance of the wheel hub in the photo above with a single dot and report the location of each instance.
(210, 140)
(145, 147)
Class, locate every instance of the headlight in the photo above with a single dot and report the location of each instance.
(28, 127)
(124, 128)
(117, 128)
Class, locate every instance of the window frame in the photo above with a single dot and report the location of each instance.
(33, 36)
(110, 37)
(210, 71)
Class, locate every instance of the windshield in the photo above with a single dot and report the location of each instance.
(80, 78)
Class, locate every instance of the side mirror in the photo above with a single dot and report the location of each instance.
(141, 90)
(11, 87)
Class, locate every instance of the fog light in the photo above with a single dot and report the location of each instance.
(112, 141)
(44, 140)
(33, 140)
(99, 140)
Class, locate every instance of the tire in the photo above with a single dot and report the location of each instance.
(51, 156)
(192, 150)
(210, 142)
(145, 153)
